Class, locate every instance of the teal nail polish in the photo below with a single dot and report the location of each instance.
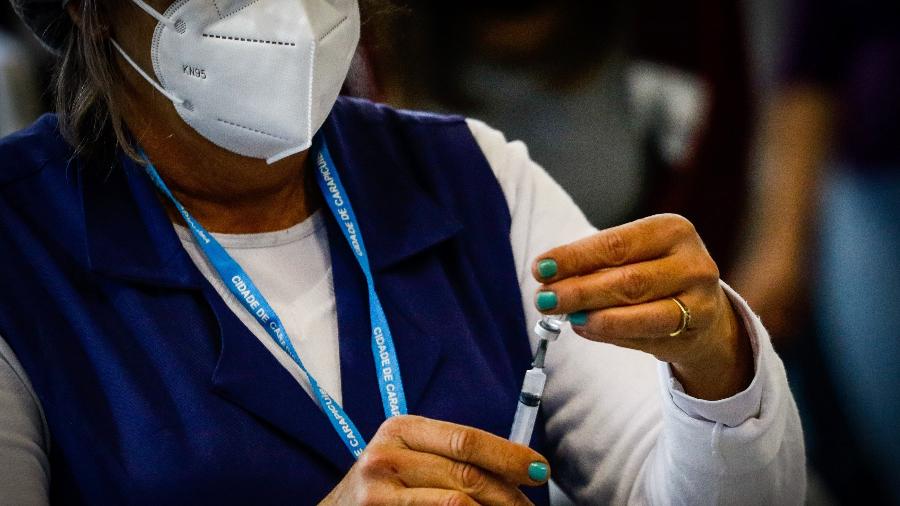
(546, 300)
(538, 471)
(547, 268)
(579, 318)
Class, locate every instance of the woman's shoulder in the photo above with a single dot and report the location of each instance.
(367, 110)
(33, 149)
(444, 137)
(506, 159)
(39, 197)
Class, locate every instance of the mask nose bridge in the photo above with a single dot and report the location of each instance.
(226, 8)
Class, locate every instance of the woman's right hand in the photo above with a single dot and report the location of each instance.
(415, 460)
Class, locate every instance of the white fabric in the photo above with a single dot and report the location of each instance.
(24, 438)
(620, 429)
(292, 268)
(241, 72)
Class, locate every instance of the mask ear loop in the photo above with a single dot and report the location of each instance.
(166, 93)
(164, 20)
(151, 11)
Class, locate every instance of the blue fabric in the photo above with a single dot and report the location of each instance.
(390, 381)
(859, 309)
(156, 393)
(241, 285)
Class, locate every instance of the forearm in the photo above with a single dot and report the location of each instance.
(795, 143)
(796, 139)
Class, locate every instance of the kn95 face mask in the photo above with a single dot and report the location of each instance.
(255, 77)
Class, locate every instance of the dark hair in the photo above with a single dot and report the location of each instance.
(86, 79)
(86, 75)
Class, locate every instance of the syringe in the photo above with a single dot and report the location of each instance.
(547, 330)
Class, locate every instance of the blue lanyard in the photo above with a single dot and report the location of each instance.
(242, 287)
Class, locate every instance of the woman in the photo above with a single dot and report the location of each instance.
(177, 272)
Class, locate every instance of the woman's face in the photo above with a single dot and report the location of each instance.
(188, 83)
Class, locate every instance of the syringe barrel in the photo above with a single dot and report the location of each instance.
(529, 403)
(523, 424)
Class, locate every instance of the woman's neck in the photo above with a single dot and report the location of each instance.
(225, 192)
(225, 205)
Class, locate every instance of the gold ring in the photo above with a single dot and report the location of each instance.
(685, 318)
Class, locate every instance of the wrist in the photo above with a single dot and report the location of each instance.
(723, 365)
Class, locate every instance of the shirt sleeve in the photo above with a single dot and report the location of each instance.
(620, 428)
(24, 439)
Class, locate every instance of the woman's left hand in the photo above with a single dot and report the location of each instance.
(619, 286)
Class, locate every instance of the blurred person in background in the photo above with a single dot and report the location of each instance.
(634, 107)
(826, 220)
(20, 97)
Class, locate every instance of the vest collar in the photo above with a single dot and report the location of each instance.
(130, 236)
(398, 217)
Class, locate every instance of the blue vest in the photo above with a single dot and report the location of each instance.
(156, 393)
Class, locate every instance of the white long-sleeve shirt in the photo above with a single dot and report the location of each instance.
(620, 429)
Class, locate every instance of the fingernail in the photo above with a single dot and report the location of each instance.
(546, 300)
(538, 471)
(547, 268)
(578, 319)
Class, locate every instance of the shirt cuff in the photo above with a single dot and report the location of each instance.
(738, 408)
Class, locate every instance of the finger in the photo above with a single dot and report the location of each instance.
(431, 496)
(653, 320)
(512, 462)
(641, 240)
(426, 470)
(624, 286)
